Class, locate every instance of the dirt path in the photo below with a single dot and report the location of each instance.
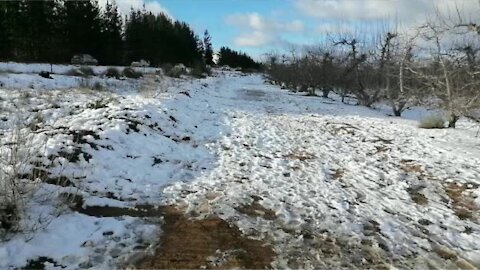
(210, 243)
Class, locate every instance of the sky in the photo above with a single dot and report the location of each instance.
(263, 26)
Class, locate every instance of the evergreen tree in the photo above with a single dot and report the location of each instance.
(5, 44)
(112, 42)
(83, 27)
(236, 59)
(208, 49)
(160, 40)
(55, 30)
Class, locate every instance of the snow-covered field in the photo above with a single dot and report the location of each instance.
(332, 185)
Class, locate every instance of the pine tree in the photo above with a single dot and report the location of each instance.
(235, 59)
(112, 42)
(5, 44)
(208, 49)
(83, 27)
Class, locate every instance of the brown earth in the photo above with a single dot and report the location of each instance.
(209, 243)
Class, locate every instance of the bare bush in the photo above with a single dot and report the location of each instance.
(17, 152)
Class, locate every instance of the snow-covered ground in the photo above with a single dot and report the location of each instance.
(348, 186)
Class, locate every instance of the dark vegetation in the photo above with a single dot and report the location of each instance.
(234, 59)
(54, 31)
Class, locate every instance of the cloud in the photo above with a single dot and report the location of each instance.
(257, 31)
(254, 39)
(124, 6)
(405, 11)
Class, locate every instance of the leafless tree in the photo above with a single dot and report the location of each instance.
(452, 76)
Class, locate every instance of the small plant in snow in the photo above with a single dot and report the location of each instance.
(431, 122)
(98, 86)
(81, 72)
(16, 153)
(87, 71)
(99, 103)
(131, 73)
(113, 73)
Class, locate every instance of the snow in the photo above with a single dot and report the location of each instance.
(14, 67)
(328, 170)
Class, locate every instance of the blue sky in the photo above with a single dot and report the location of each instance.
(262, 26)
(228, 21)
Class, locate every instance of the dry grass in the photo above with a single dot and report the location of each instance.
(299, 156)
(337, 174)
(416, 196)
(432, 122)
(462, 201)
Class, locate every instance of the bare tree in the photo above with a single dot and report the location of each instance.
(451, 78)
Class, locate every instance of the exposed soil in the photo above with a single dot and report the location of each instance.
(256, 209)
(209, 243)
(299, 156)
(462, 201)
(185, 243)
(417, 196)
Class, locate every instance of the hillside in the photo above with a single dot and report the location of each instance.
(120, 173)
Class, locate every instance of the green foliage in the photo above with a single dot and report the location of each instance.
(158, 39)
(54, 31)
(112, 39)
(431, 122)
(131, 73)
(208, 49)
(236, 59)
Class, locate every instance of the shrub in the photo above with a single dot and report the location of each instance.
(16, 155)
(87, 71)
(431, 122)
(177, 71)
(81, 72)
(112, 73)
(131, 73)
(200, 70)
(74, 72)
(166, 68)
(97, 86)
(87, 83)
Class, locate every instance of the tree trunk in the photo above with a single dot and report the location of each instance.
(452, 120)
(396, 111)
(325, 92)
(398, 108)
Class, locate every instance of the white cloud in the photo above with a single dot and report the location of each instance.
(257, 31)
(406, 11)
(256, 22)
(254, 39)
(124, 6)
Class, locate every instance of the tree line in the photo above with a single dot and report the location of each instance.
(435, 63)
(236, 59)
(53, 31)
